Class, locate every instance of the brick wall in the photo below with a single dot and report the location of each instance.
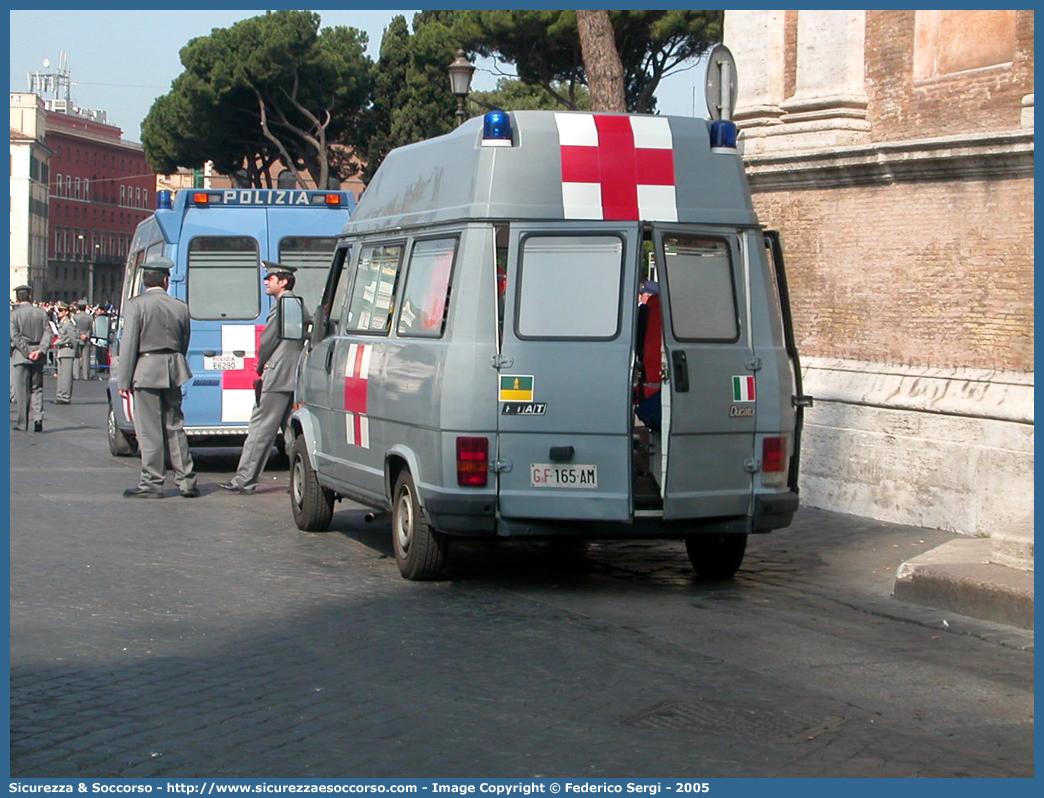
(933, 274)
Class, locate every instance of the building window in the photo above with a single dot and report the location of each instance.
(86, 188)
(123, 195)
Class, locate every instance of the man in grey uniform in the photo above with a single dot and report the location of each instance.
(82, 320)
(152, 369)
(30, 340)
(65, 354)
(277, 366)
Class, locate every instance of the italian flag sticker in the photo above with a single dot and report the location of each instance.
(743, 389)
(516, 388)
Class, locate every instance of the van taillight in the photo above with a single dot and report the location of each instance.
(773, 461)
(472, 462)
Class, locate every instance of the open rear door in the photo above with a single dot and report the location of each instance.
(564, 376)
(710, 410)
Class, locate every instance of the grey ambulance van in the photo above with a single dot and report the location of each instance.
(480, 364)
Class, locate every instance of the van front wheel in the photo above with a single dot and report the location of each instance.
(420, 551)
(716, 556)
(120, 444)
(312, 504)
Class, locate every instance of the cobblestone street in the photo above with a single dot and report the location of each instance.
(212, 638)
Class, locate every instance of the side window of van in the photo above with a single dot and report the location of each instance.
(700, 288)
(134, 284)
(425, 295)
(373, 290)
(224, 278)
(154, 251)
(570, 286)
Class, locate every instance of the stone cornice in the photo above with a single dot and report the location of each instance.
(972, 393)
(966, 157)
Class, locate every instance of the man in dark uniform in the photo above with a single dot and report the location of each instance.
(30, 340)
(152, 369)
(65, 353)
(277, 366)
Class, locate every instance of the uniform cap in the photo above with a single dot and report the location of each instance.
(159, 265)
(23, 288)
(649, 287)
(271, 267)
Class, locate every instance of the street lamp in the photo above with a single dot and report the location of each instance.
(460, 72)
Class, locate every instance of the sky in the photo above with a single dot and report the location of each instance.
(121, 61)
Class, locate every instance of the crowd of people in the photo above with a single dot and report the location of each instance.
(55, 336)
(82, 314)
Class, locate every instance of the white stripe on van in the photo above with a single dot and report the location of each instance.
(357, 430)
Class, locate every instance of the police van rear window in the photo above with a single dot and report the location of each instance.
(569, 286)
(224, 277)
(312, 256)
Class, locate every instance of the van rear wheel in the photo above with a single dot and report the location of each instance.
(420, 551)
(716, 556)
(312, 504)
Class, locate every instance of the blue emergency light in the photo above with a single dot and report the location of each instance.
(496, 129)
(163, 202)
(723, 136)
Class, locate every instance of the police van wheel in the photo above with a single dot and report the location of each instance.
(312, 504)
(120, 444)
(716, 556)
(420, 551)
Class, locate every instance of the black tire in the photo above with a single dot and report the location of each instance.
(120, 444)
(716, 556)
(312, 504)
(420, 551)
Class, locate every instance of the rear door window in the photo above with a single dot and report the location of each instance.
(570, 286)
(224, 277)
(700, 288)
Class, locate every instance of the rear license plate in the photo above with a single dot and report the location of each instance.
(548, 475)
(222, 363)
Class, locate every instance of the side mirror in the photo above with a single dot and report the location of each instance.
(291, 318)
(100, 329)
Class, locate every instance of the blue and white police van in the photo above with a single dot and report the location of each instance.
(480, 364)
(217, 239)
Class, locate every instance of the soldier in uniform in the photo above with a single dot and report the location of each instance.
(82, 319)
(30, 340)
(276, 366)
(65, 354)
(152, 369)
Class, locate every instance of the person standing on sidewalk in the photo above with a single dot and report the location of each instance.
(82, 319)
(65, 353)
(152, 369)
(30, 340)
(276, 365)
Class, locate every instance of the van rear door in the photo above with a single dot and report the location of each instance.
(564, 375)
(709, 412)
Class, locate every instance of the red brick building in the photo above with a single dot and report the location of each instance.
(100, 188)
